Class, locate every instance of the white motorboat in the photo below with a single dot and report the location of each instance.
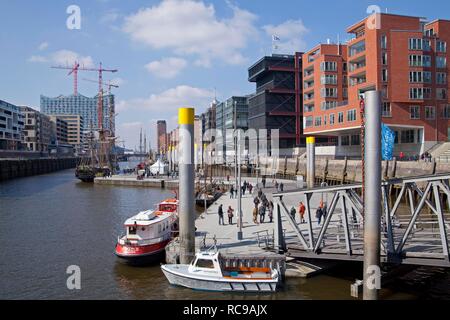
(208, 272)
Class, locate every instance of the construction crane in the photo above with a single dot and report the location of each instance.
(73, 70)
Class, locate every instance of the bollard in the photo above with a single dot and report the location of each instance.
(372, 198)
(186, 184)
(310, 161)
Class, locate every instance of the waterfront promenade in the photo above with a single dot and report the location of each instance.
(226, 235)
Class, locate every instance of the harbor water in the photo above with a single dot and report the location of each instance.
(50, 222)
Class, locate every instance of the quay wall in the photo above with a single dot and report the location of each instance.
(347, 170)
(17, 168)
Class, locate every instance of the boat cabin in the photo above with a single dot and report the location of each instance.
(168, 205)
(148, 225)
(212, 264)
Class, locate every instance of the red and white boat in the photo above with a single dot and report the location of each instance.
(148, 233)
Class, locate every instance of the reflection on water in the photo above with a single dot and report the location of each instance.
(51, 221)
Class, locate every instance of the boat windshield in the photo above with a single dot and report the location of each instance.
(167, 207)
(205, 263)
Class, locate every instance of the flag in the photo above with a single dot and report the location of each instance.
(387, 142)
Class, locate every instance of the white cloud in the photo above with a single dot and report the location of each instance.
(118, 81)
(110, 16)
(170, 100)
(39, 59)
(291, 35)
(166, 68)
(189, 27)
(65, 58)
(43, 46)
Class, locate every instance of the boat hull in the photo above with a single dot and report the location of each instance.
(217, 284)
(138, 255)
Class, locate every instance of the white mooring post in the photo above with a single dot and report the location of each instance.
(186, 184)
(372, 197)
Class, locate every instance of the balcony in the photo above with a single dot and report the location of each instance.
(357, 49)
(308, 97)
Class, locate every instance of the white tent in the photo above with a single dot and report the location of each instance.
(159, 167)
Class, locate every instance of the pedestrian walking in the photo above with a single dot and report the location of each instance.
(220, 212)
(260, 193)
(250, 188)
(319, 214)
(256, 202)
(263, 182)
(276, 185)
(293, 212)
(301, 211)
(232, 192)
(230, 215)
(270, 211)
(281, 186)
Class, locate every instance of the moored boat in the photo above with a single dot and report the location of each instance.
(209, 272)
(148, 233)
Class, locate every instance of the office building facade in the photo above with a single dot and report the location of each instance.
(403, 57)
(37, 130)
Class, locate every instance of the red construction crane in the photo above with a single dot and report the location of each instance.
(74, 71)
(100, 71)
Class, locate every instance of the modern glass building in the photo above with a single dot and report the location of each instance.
(80, 105)
(11, 126)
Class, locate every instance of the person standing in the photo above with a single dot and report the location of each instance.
(270, 211)
(230, 215)
(231, 192)
(301, 211)
(255, 215)
(263, 180)
(281, 187)
(256, 202)
(319, 214)
(276, 185)
(262, 213)
(221, 215)
(250, 188)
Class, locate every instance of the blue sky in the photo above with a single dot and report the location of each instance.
(169, 53)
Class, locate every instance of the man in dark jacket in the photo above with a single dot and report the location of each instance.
(221, 215)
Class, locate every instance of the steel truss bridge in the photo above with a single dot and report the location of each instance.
(419, 238)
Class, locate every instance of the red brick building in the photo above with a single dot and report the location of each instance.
(403, 57)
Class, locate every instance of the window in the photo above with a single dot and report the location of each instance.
(340, 117)
(383, 42)
(327, 105)
(386, 111)
(317, 121)
(446, 111)
(345, 141)
(328, 92)
(355, 140)
(308, 121)
(344, 67)
(414, 112)
(429, 32)
(429, 112)
(441, 94)
(205, 263)
(441, 78)
(416, 60)
(325, 120)
(441, 46)
(332, 119)
(415, 44)
(328, 79)
(419, 93)
(384, 75)
(384, 58)
(132, 230)
(328, 66)
(441, 62)
(344, 92)
(420, 77)
(407, 136)
(308, 108)
(351, 115)
(426, 45)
